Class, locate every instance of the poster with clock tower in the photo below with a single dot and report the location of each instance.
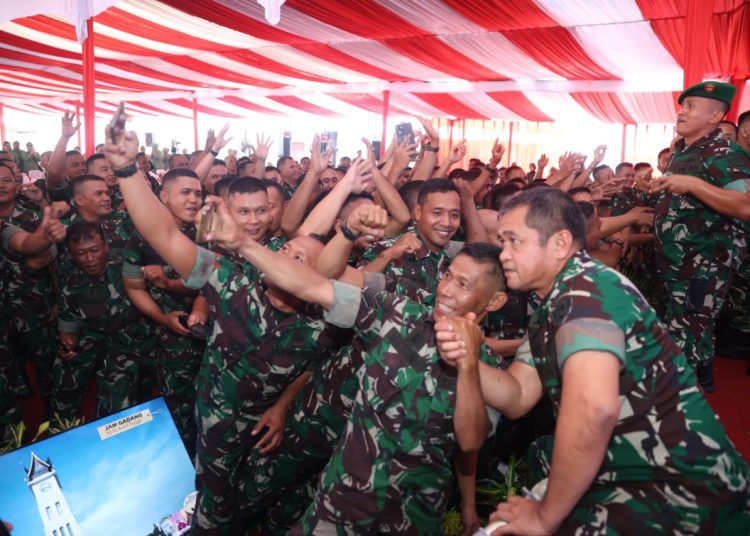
(58, 520)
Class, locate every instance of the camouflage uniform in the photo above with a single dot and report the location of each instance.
(669, 465)
(391, 472)
(12, 381)
(114, 339)
(176, 357)
(422, 267)
(29, 297)
(254, 352)
(286, 475)
(698, 249)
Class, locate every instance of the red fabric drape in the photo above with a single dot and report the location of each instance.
(246, 104)
(203, 109)
(500, 16)
(450, 105)
(605, 106)
(699, 12)
(261, 62)
(518, 103)
(300, 104)
(159, 111)
(370, 103)
(219, 72)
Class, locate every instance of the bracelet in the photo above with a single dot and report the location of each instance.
(490, 168)
(215, 153)
(348, 233)
(430, 148)
(127, 171)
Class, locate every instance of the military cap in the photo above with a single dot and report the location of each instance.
(711, 90)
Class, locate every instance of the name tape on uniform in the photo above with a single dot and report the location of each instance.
(124, 424)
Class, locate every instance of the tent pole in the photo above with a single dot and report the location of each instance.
(510, 143)
(2, 122)
(79, 105)
(195, 123)
(622, 148)
(384, 131)
(89, 86)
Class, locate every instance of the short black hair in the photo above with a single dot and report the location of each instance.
(319, 237)
(489, 254)
(513, 168)
(219, 162)
(242, 163)
(469, 175)
(268, 183)
(82, 179)
(246, 185)
(73, 152)
(93, 158)
(174, 174)
(744, 117)
(409, 193)
(433, 186)
(501, 193)
(6, 166)
(224, 184)
(83, 230)
(578, 190)
(665, 150)
(597, 169)
(271, 168)
(170, 160)
(622, 165)
(641, 165)
(550, 210)
(586, 208)
(281, 160)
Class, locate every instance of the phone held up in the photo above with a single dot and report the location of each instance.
(118, 121)
(404, 131)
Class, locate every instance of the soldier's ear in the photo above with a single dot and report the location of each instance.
(497, 300)
(562, 242)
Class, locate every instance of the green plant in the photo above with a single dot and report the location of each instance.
(14, 437)
(452, 523)
(492, 491)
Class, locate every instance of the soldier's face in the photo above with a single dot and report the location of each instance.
(728, 132)
(328, 179)
(179, 161)
(182, 197)
(438, 219)
(464, 288)
(75, 166)
(275, 208)
(250, 212)
(90, 254)
(8, 186)
(604, 175)
(102, 168)
(696, 116)
(527, 263)
(93, 197)
(214, 176)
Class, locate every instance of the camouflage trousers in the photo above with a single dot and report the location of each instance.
(10, 412)
(175, 368)
(34, 344)
(224, 444)
(116, 372)
(692, 322)
(656, 507)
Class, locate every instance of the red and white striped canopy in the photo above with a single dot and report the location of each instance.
(620, 61)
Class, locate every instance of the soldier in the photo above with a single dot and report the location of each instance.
(97, 164)
(619, 462)
(99, 330)
(28, 293)
(157, 292)
(33, 247)
(391, 470)
(262, 343)
(700, 241)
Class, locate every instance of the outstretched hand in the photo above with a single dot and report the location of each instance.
(121, 147)
(67, 124)
(223, 229)
(53, 229)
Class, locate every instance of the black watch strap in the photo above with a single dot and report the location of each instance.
(127, 171)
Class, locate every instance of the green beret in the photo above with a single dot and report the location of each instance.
(711, 90)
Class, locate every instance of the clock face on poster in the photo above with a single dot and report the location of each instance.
(45, 487)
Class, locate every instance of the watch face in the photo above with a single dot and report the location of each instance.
(45, 487)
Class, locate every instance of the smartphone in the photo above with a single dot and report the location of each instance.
(404, 131)
(117, 123)
(204, 222)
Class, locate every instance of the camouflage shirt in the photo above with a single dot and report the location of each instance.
(100, 307)
(666, 430)
(137, 253)
(392, 467)
(692, 240)
(254, 350)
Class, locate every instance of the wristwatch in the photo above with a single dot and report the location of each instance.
(348, 233)
(430, 148)
(127, 171)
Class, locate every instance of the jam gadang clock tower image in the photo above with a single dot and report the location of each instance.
(58, 520)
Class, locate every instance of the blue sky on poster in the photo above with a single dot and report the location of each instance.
(120, 486)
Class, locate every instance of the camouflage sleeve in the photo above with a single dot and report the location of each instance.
(7, 233)
(581, 334)
(523, 354)
(132, 259)
(374, 280)
(370, 253)
(742, 185)
(67, 320)
(726, 165)
(345, 307)
(204, 267)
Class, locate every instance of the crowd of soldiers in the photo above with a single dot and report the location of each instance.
(337, 344)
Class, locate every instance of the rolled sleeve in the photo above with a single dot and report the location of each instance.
(205, 264)
(131, 271)
(593, 334)
(374, 280)
(345, 307)
(523, 354)
(8, 233)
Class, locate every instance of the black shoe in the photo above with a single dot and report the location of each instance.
(705, 376)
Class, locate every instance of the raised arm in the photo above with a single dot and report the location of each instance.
(456, 154)
(56, 164)
(583, 177)
(727, 202)
(294, 212)
(214, 144)
(150, 217)
(423, 169)
(391, 199)
(261, 149)
(48, 232)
